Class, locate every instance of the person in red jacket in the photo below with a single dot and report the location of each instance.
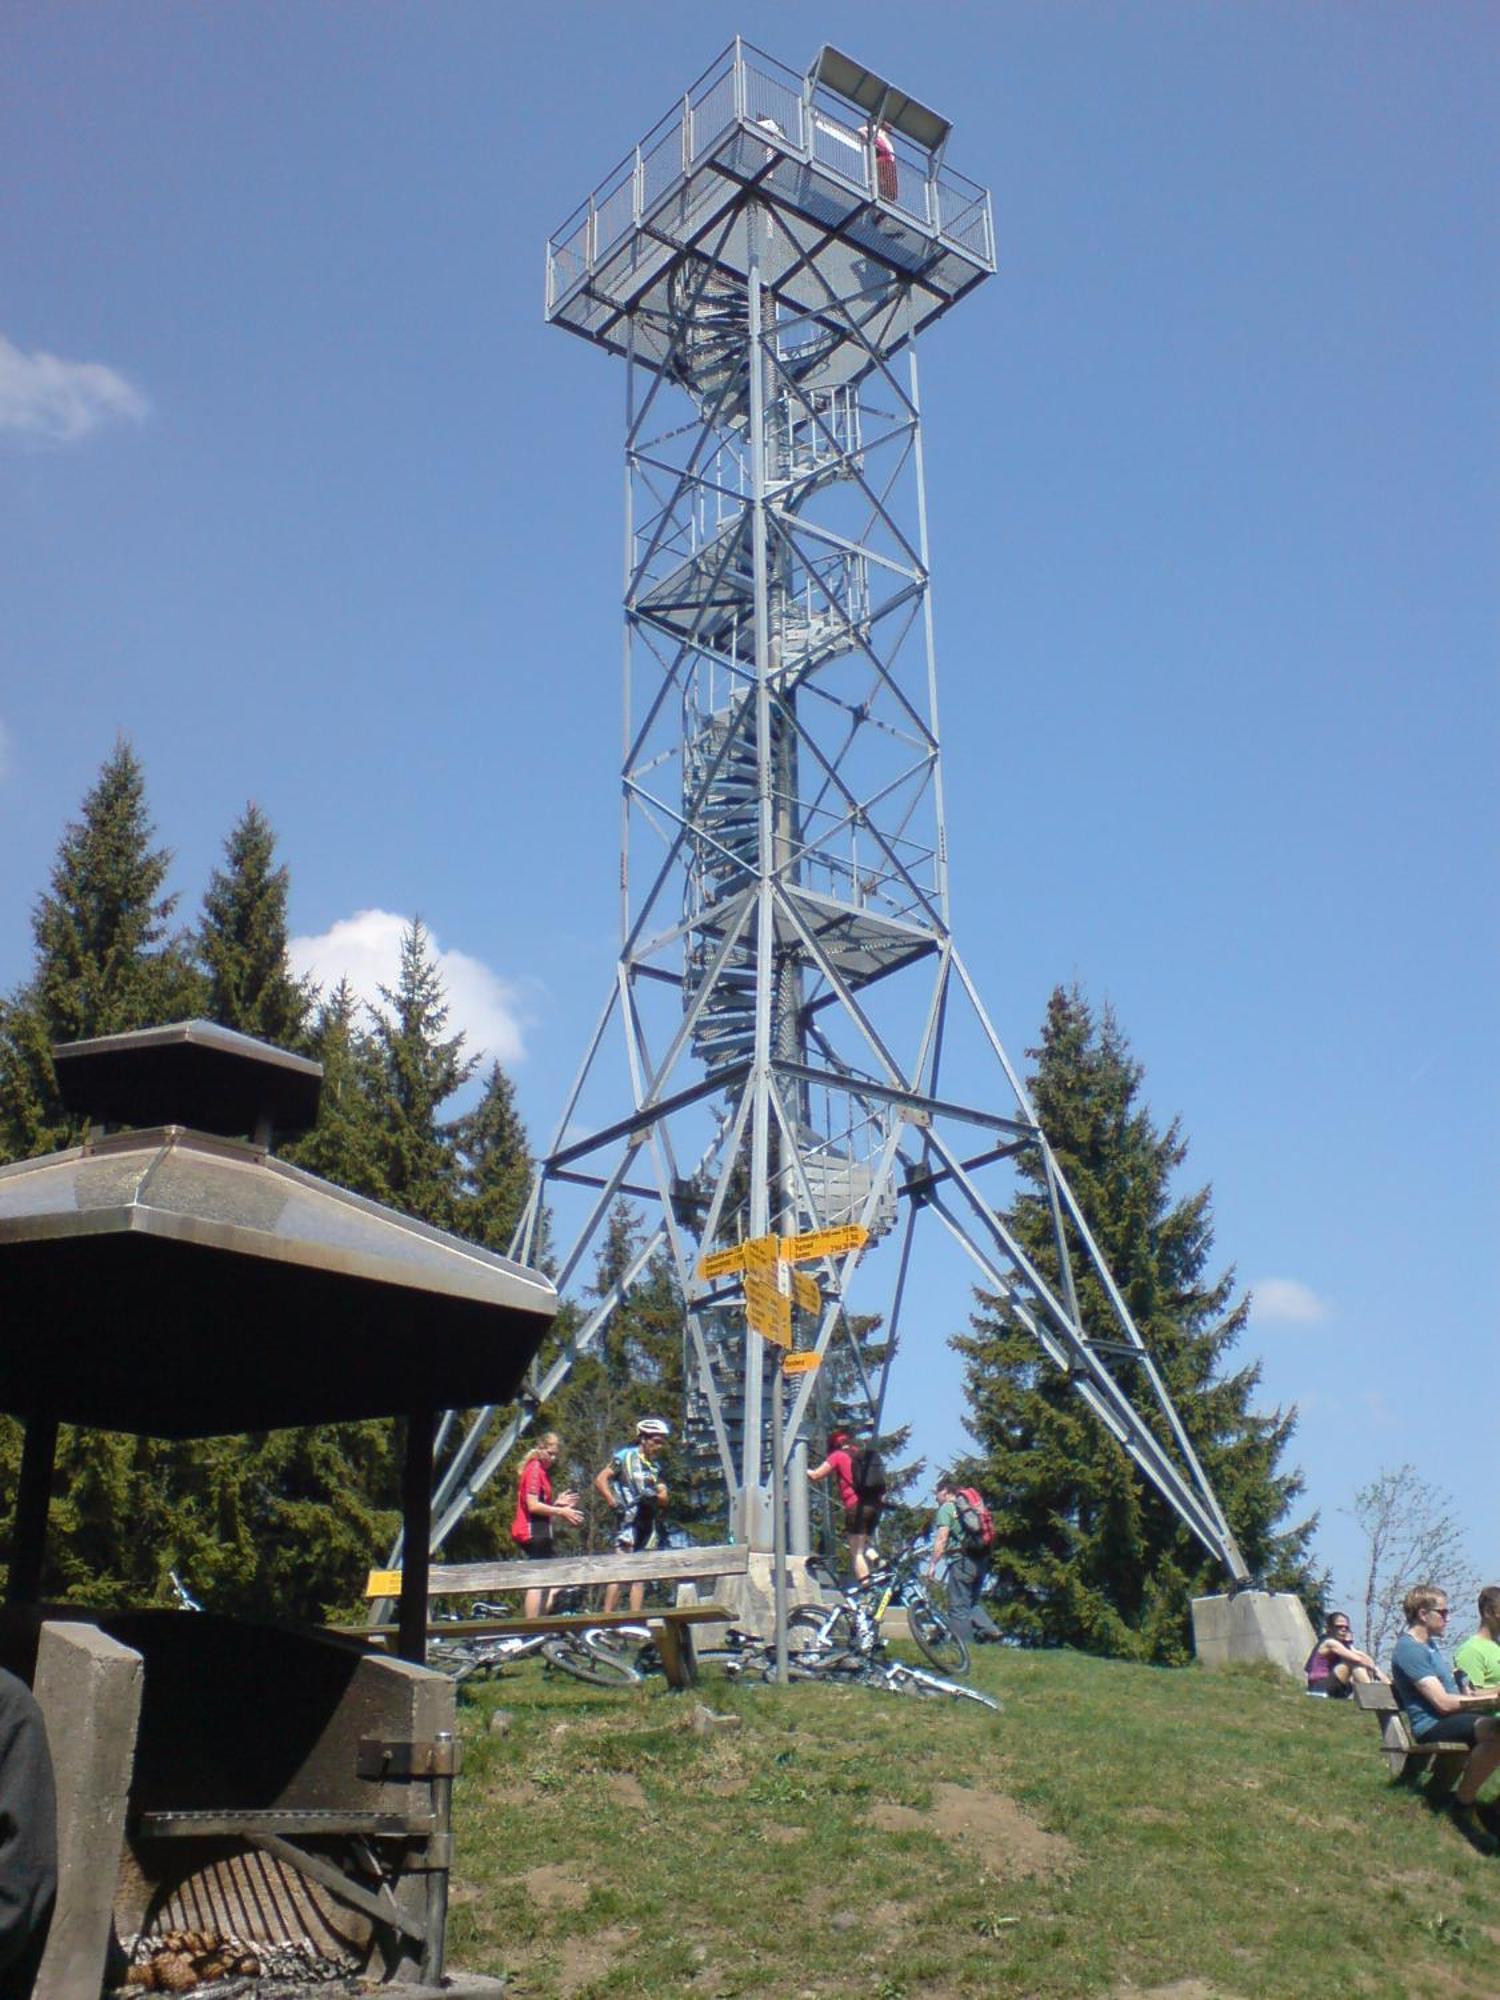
(860, 1514)
(537, 1509)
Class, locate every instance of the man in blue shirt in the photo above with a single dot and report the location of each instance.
(1435, 1709)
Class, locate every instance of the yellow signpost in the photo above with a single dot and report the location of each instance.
(801, 1363)
(771, 1286)
(825, 1242)
(758, 1254)
(768, 1309)
(806, 1292)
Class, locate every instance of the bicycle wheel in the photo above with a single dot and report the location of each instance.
(457, 1662)
(811, 1625)
(937, 1638)
(599, 1669)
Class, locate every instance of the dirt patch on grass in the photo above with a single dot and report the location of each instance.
(589, 1961)
(555, 1886)
(1009, 1842)
(626, 1789)
(1180, 1989)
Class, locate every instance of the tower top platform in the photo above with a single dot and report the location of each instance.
(854, 169)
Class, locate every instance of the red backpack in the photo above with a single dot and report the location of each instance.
(974, 1522)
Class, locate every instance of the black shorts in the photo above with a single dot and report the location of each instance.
(1452, 1729)
(538, 1548)
(862, 1517)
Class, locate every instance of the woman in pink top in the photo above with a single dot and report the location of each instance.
(860, 1515)
(536, 1510)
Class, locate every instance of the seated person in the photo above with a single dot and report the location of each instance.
(1336, 1663)
(1478, 1658)
(1436, 1711)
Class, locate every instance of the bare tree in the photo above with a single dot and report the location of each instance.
(1413, 1534)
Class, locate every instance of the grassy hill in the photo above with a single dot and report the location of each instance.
(1118, 1830)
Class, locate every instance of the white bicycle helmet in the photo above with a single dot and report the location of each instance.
(653, 1427)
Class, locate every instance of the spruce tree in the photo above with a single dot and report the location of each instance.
(342, 1146)
(495, 1166)
(414, 1070)
(106, 960)
(1086, 1553)
(242, 941)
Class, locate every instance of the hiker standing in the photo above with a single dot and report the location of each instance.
(861, 1478)
(964, 1534)
(537, 1508)
(633, 1487)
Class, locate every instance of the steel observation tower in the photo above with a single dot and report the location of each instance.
(769, 1066)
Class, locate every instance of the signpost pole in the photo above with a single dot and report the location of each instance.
(778, 1510)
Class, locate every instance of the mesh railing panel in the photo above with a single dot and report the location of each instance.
(713, 113)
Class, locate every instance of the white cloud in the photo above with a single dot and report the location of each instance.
(365, 949)
(57, 402)
(1286, 1302)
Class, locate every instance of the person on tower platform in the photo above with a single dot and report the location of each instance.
(886, 180)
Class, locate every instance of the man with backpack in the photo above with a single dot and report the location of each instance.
(861, 1477)
(964, 1534)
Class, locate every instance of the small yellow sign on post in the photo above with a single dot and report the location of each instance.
(806, 1292)
(767, 1309)
(825, 1242)
(723, 1262)
(801, 1363)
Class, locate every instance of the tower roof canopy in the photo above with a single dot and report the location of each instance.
(841, 73)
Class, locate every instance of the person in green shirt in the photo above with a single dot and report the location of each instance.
(1478, 1658)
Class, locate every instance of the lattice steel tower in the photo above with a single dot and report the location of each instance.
(769, 1058)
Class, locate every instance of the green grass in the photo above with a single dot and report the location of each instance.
(1135, 1827)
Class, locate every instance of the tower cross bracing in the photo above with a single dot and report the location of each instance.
(773, 1053)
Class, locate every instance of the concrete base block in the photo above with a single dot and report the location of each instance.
(752, 1598)
(89, 1689)
(1253, 1625)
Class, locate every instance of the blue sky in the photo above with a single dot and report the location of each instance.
(298, 491)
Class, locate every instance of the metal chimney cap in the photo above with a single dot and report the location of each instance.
(191, 1073)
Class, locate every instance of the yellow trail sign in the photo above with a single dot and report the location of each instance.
(802, 1363)
(759, 1254)
(825, 1242)
(767, 1309)
(806, 1292)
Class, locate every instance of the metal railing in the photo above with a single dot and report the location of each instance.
(745, 88)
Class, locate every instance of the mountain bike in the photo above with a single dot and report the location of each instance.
(745, 1656)
(852, 1622)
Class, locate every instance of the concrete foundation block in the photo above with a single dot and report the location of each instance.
(1253, 1625)
(89, 1689)
(751, 1599)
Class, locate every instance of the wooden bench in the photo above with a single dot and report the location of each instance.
(670, 1625)
(1401, 1750)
